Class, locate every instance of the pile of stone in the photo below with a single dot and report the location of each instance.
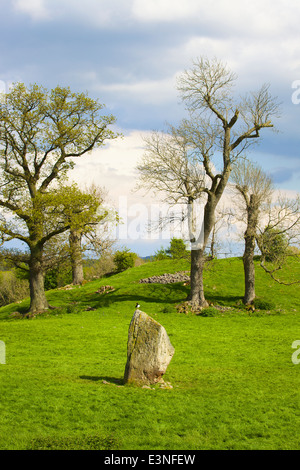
(105, 289)
(181, 276)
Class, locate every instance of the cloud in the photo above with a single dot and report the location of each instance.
(112, 166)
(164, 10)
(128, 54)
(144, 91)
(97, 13)
(36, 9)
(241, 16)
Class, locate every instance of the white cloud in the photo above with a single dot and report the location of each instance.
(101, 13)
(164, 10)
(35, 8)
(270, 17)
(112, 166)
(237, 15)
(144, 91)
(275, 60)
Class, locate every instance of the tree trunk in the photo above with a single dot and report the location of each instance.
(38, 301)
(196, 295)
(76, 257)
(249, 270)
(248, 257)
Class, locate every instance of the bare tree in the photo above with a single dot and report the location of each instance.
(255, 189)
(219, 130)
(271, 224)
(280, 231)
(215, 242)
(169, 169)
(195, 159)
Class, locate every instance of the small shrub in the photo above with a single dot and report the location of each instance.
(209, 312)
(124, 259)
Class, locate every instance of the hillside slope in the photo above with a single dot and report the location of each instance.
(223, 279)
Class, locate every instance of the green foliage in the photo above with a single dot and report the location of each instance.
(160, 254)
(12, 287)
(57, 277)
(41, 132)
(274, 245)
(177, 249)
(124, 259)
(209, 312)
(51, 279)
(262, 304)
(22, 272)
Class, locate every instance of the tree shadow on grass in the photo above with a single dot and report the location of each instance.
(110, 380)
(224, 300)
(158, 293)
(171, 294)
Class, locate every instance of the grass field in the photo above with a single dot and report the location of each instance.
(234, 383)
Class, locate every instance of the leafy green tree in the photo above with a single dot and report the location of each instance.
(84, 215)
(41, 133)
(177, 249)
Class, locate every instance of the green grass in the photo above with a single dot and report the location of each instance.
(234, 383)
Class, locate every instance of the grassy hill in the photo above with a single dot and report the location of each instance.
(234, 383)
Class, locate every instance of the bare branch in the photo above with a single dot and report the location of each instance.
(271, 273)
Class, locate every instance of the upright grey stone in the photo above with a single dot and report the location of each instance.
(149, 350)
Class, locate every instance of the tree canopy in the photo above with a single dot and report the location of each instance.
(42, 132)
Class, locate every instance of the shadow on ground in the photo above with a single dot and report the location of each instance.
(111, 380)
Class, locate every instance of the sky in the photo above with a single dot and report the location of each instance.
(128, 54)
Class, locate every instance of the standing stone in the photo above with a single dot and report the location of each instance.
(149, 350)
